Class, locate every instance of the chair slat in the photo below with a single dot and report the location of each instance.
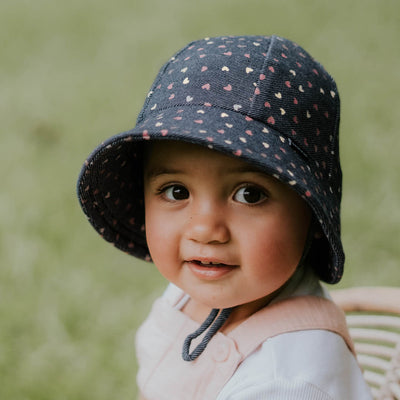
(385, 299)
(381, 321)
(374, 378)
(374, 363)
(375, 335)
(374, 350)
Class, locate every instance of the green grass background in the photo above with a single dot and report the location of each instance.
(74, 72)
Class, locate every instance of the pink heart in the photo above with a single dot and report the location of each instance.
(204, 68)
(206, 86)
(271, 120)
(164, 132)
(271, 68)
(247, 55)
(228, 53)
(170, 86)
(172, 96)
(228, 88)
(262, 77)
(146, 135)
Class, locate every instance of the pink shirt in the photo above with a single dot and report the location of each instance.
(164, 375)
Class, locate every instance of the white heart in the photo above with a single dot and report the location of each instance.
(184, 69)
(248, 70)
(237, 107)
(189, 98)
(186, 81)
(224, 115)
(225, 68)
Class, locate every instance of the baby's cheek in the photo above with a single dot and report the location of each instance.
(162, 245)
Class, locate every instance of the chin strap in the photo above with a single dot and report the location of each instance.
(208, 323)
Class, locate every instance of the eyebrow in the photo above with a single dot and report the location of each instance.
(153, 173)
(157, 171)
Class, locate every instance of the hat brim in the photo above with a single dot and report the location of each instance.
(110, 184)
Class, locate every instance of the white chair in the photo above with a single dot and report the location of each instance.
(373, 317)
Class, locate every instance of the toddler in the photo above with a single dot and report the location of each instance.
(231, 184)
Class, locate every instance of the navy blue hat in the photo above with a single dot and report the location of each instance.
(263, 99)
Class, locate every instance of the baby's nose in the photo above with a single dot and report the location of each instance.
(210, 228)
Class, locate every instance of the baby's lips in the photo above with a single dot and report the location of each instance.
(211, 262)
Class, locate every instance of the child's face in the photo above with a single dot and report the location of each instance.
(218, 228)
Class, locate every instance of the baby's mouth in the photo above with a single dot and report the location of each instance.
(210, 270)
(210, 264)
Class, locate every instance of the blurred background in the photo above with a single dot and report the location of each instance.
(73, 73)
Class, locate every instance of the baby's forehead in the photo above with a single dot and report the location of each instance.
(171, 154)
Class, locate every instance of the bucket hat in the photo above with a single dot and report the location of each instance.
(261, 98)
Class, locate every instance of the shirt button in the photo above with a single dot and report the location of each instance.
(221, 352)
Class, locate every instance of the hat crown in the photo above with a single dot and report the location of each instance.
(269, 79)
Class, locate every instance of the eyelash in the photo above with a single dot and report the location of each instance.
(162, 191)
(250, 186)
(260, 192)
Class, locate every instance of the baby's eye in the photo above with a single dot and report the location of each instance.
(176, 192)
(249, 195)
